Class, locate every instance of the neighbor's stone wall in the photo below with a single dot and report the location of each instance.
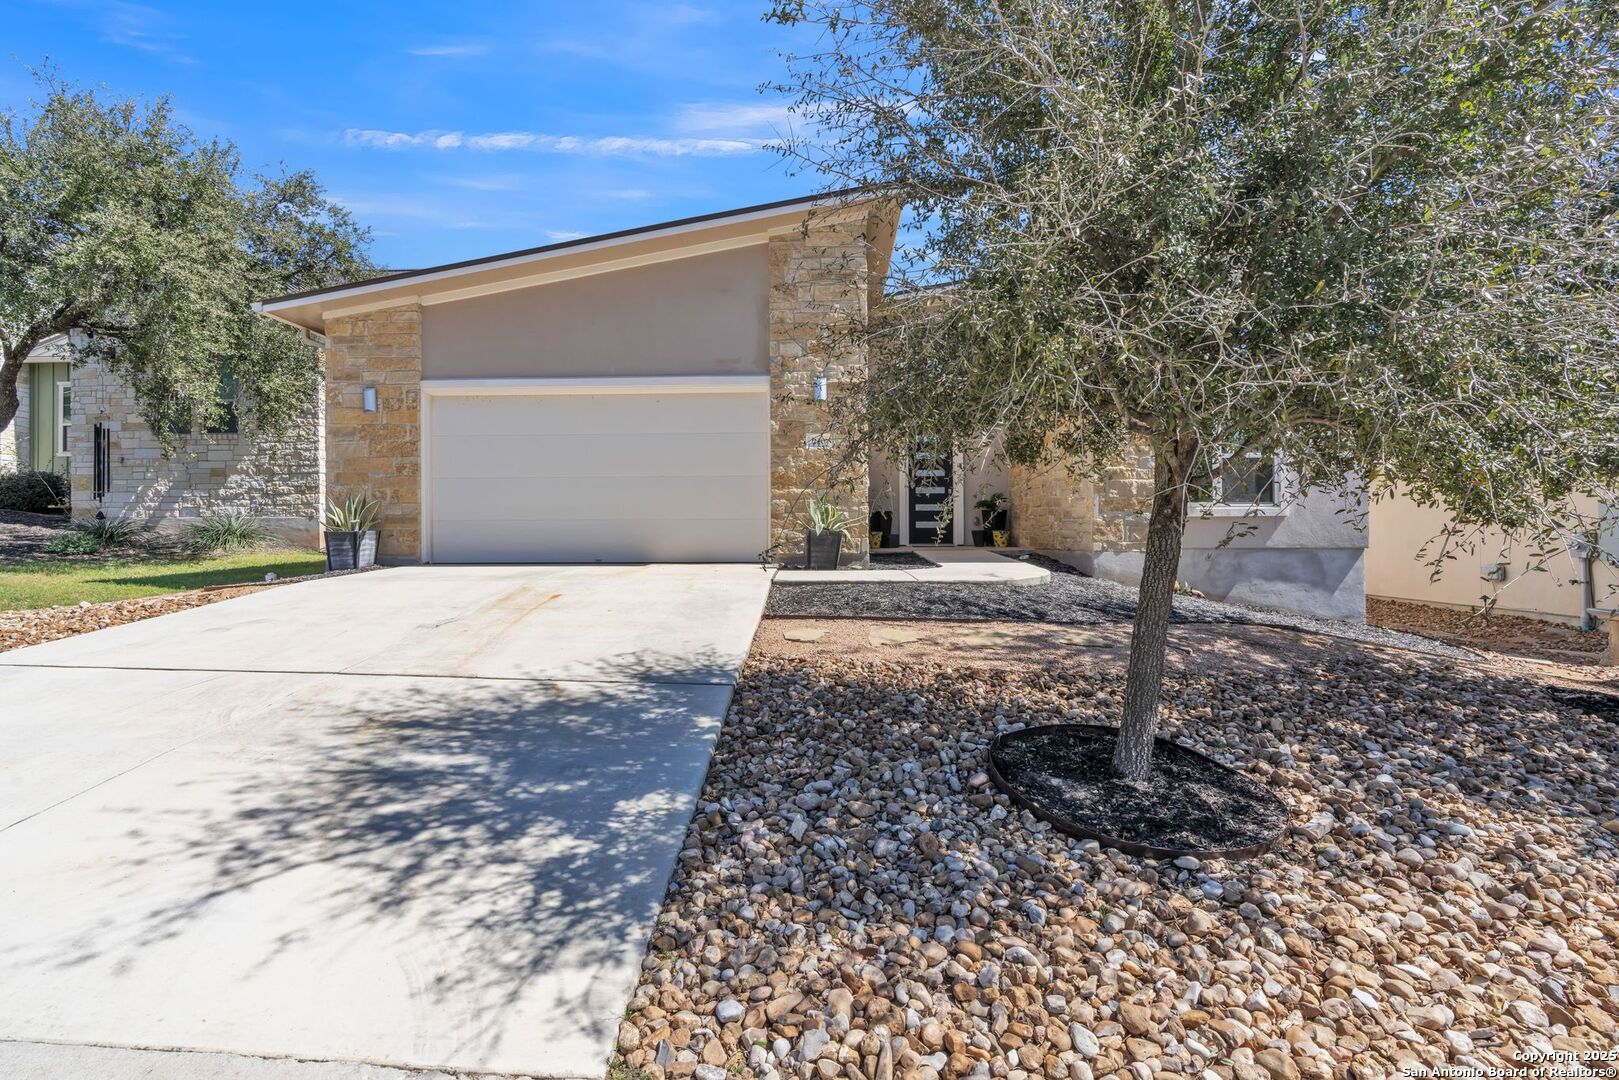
(377, 454)
(818, 293)
(278, 479)
(16, 451)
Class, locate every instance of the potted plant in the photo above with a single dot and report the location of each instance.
(824, 528)
(351, 532)
(881, 526)
(992, 519)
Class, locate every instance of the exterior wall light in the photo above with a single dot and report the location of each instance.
(368, 399)
(820, 388)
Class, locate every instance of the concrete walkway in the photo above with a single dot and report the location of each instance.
(419, 819)
(955, 565)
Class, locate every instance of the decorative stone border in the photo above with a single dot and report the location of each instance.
(1081, 832)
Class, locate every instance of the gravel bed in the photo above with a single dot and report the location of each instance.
(24, 535)
(854, 899)
(1069, 598)
(35, 626)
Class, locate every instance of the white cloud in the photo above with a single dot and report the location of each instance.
(628, 194)
(447, 50)
(734, 117)
(133, 26)
(560, 235)
(608, 146)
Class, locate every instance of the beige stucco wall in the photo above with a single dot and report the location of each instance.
(1396, 566)
(702, 315)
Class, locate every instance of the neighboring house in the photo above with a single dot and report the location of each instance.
(1491, 566)
(37, 438)
(69, 406)
(653, 394)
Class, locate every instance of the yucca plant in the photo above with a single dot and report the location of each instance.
(110, 532)
(227, 532)
(357, 514)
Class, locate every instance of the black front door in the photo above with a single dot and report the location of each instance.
(930, 498)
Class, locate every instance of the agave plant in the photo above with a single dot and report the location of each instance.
(824, 516)
(357, 514)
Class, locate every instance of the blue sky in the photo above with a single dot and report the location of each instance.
(452, 129)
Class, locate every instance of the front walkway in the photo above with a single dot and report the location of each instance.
(953, 565)
(422, 817)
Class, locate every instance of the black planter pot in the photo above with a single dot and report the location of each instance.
(997, 522)
(822, 550)
(351, 550)
(980, 538)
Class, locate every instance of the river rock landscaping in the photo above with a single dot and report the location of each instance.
(855, 899)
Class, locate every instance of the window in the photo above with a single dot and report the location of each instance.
(64, 414)
(227, 423)
(1248, 479)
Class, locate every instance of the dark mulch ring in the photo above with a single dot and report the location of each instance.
(1188, 805)
(900, 560)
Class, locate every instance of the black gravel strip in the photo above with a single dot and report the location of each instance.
(1070, 598)
(1187, 805)
(901, 560)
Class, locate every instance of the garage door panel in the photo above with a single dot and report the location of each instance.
(683, 540)
(586, 498)
(579, 414)
(599, 477)
(641, 454)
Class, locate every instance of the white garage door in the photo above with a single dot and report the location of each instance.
(598, 477)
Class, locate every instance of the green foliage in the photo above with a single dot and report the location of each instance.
(822, 515)
(33, 492)
(151, 245)
(111, 532)
(74, 542)
(227, 532)
(359, 513)
(1380, 239)
(51, 582)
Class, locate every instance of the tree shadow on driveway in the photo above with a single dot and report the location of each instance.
(502, 846)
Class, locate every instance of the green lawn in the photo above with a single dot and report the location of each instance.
(49, 583)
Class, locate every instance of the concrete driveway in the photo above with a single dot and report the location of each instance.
(420, 818)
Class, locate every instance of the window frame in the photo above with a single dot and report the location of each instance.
(64, 415)
(1281, 493)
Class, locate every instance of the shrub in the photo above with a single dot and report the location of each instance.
(33, 492)
(227, 532)
(110, 532)
(74, 542)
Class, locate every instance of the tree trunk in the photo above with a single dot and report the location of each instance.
(10, 372)
(1132, 757)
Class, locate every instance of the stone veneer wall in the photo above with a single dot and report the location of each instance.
(16, 452)
(818, 291)
(377, 454)
(1056, 511)
(278, 479)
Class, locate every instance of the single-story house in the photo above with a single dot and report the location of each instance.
(658, 394)
(78, 419)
